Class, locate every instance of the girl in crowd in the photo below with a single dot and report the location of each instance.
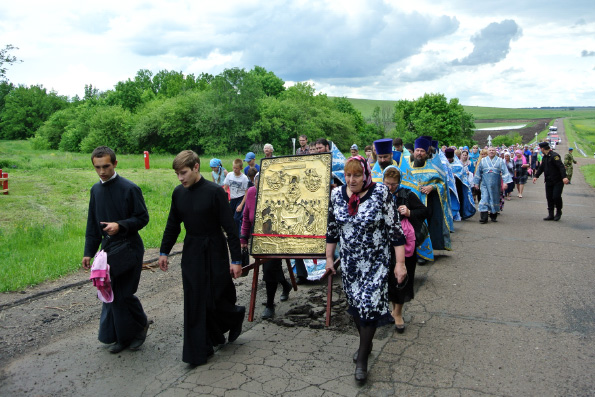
(218, 172)
(362, 216)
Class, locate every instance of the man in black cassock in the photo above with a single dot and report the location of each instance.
(209, 293)
(117, 212)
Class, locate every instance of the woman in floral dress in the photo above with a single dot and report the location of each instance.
(362, 216)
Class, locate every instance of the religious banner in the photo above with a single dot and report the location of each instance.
(292, 205)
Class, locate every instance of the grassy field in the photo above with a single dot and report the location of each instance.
(366, 107)
(581, 131)
(589, 173)
(42, 220)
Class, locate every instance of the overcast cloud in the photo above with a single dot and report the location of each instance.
(490, 53)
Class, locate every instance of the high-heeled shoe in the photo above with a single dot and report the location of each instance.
(400, 328)
(361, 375)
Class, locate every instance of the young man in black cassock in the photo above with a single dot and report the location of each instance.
(117, 212)
(209, 293)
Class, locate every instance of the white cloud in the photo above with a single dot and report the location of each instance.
(375, 49)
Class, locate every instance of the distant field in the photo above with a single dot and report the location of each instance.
(366, 106)
(581, 131)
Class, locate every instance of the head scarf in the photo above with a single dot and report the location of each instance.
(353, 205)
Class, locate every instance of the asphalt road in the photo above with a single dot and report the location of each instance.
(509, 312)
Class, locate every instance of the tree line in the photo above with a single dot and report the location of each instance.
(233, 112)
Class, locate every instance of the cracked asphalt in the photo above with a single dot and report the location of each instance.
(509, 312)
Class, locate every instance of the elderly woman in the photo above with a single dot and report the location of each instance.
(413, 212)
(362, 216)
(521, 171)
(268, 151)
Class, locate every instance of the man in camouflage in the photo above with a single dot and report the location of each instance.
(568, 164)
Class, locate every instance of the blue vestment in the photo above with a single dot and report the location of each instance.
(489, 176)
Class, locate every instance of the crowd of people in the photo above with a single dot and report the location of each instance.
(389, 211)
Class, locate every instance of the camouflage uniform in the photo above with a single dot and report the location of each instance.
(568, 164)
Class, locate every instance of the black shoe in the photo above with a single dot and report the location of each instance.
(550, 216)
(139, 339)
(361, 375)
(285, 295)
(268, 312)
(483, 217)
(400, 328)
(494, 217)
(117, 348)
(421, 262)
(301, 280)
(235, 331)
(558, 215)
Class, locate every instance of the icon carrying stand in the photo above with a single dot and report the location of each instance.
(259, 260)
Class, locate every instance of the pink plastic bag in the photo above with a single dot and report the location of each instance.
(100, 277)
(409, 233)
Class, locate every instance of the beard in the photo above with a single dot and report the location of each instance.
(419, 162)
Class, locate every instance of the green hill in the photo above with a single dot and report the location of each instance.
(366, 107)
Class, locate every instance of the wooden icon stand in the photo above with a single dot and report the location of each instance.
(259, 260)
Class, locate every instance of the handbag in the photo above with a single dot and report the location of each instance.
(409, 233)
(422, 232)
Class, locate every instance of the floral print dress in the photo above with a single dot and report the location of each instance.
(366, 239)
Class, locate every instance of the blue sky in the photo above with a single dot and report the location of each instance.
(520, 53)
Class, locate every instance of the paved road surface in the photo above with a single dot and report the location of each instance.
(509, 312)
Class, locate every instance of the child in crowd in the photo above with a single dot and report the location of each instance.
(237, 183)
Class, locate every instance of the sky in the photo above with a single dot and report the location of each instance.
(522, 53)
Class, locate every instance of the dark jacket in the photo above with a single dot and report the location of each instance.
(419, 212)
(552, 167)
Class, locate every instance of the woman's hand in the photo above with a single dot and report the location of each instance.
(404, 211)
(400, 272)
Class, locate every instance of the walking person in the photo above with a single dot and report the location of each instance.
(272, 268)
(555, 179)
(117, 211)
(237, 183)
(209, 293)
(412, 213)
(362, 216)
(568, 163)
(521, 167)
(489, 175)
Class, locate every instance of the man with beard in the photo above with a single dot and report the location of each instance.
(428, 180)
(384, 153)
(490, 173)
(465, 198)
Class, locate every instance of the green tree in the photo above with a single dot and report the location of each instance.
(446, 121)
(26, 109)
(109, 126)
(49, 135)
(271, 84)
(6, 59)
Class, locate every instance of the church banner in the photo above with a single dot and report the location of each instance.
(292, 205)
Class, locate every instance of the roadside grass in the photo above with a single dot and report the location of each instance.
(582, 131)
(589, 173)
(43, 219)
(486, 113)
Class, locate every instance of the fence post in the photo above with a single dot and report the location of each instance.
(4, 180)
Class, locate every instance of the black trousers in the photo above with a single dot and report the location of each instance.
(124, 318)
(553, 194)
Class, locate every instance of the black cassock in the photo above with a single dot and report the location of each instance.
(209, 293)
(119, 200)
